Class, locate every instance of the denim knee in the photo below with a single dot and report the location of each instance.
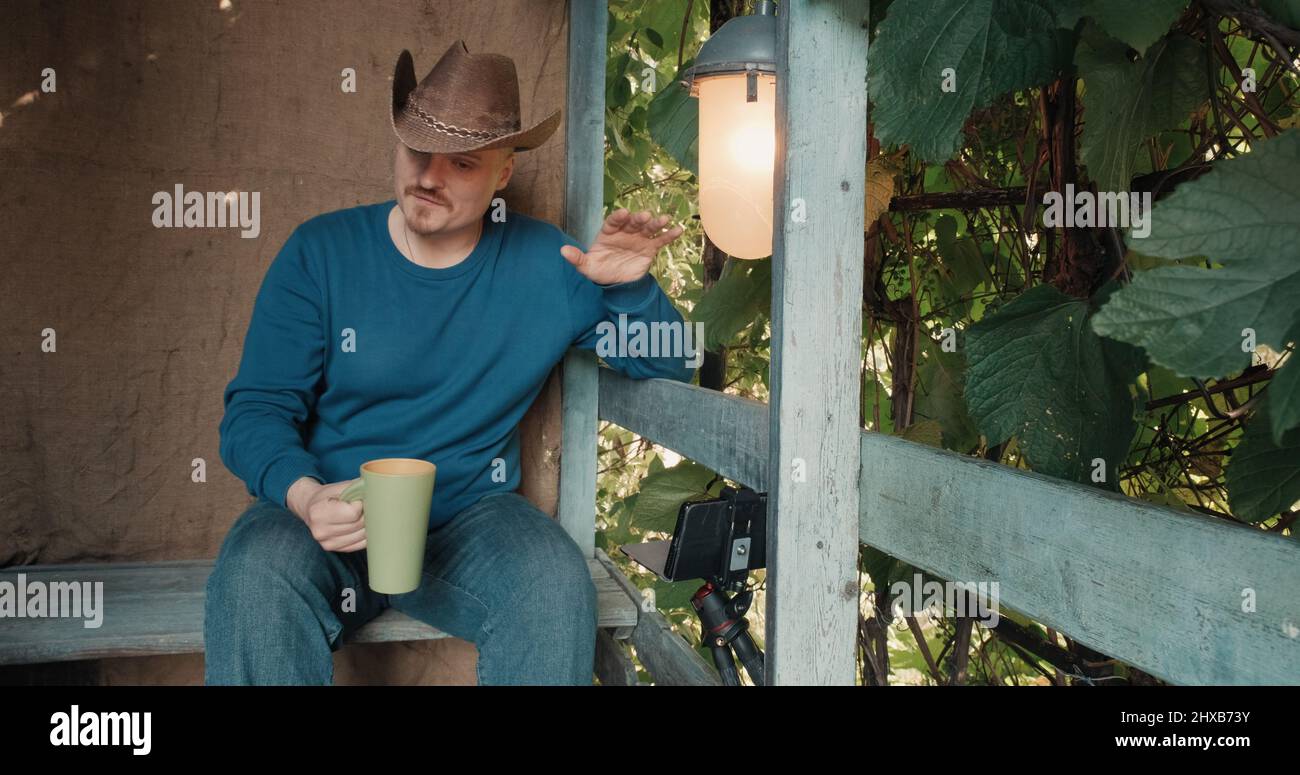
(268, 540)
(555, 571)
(268, 553)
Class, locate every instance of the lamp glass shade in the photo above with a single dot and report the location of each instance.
(737, 154)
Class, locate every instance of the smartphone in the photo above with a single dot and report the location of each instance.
(719, 538)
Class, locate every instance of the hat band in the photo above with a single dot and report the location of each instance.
(450, 129)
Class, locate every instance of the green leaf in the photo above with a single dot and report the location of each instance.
(1285, 11)
(674, 594)
(662, 494)
(664, 18)
(623, 170)
(1263, 477)
(1284, 396)
(1038, 373)
(637, 120)
(618, 89)
(674, 123)
(940, 378)
(1141, 262)
(1194, 320)
(1127, 102)
(961, 256)
(1243, 209)
(937, 179)
(618, 531)
(883, 570)
(614, 133)
(1164, 383)
(738, 299)
(1167, 499)
(926, 432)
(992, 46)
(1068, 12)
(1139, 24)
(877, 12)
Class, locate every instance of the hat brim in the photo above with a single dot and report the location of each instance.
(419, 136)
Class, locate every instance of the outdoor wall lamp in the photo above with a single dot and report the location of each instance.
(734, 78)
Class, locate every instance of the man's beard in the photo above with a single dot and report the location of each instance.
(421, 216)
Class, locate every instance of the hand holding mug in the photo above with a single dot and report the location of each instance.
(399, 493)
(337, 525)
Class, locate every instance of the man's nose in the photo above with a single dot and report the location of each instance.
(432, 175)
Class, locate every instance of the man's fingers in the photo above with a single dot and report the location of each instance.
(573, 255)
(614, 223)
(345, 543)
(655, 225)
(643, 223)
(341, 513)
(354, 547)
(668, 236)
(637, 222)
(326, 530)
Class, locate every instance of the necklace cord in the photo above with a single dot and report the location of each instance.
(407, 236)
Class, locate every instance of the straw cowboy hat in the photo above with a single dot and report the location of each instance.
(467, 102)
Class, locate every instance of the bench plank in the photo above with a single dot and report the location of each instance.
(157, 608)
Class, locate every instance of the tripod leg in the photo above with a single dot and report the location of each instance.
(750, 657)
(726, 666)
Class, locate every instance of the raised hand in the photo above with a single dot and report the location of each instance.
(624, 248)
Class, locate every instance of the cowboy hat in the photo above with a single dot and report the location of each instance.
(467, 102)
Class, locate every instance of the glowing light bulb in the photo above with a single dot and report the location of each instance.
(737, 155)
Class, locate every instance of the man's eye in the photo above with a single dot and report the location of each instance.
(464, 165)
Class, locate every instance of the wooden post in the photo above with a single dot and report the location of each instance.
(821, 142)
(584, 142)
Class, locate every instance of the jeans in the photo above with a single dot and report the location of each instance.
(501, 574)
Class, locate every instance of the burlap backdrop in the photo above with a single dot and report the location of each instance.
(97, 438)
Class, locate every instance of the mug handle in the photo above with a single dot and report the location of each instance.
(354, 491)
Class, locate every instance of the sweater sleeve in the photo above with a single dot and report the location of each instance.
(596, 312)
(275, 389)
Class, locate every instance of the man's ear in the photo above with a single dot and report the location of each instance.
(507, 169)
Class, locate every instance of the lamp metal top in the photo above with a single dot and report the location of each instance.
(743, 44)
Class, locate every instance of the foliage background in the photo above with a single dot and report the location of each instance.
(1157, 367)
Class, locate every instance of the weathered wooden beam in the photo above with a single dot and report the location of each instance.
(725, 433)
(613, 665)
(584, 137)
(821, 142)
(1158, 588)
(577, 509)
(1163, 590)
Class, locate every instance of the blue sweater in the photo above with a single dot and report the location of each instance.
(354, 352)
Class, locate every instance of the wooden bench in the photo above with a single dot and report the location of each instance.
(157, 608)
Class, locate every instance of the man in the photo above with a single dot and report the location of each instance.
(423, 328)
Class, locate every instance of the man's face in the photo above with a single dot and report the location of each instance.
(448, 191)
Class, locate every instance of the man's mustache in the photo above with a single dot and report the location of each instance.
(427, 194)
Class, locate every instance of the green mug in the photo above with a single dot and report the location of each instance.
(396, 493)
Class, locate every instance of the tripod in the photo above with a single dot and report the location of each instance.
(725, 628)
(719, 540)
